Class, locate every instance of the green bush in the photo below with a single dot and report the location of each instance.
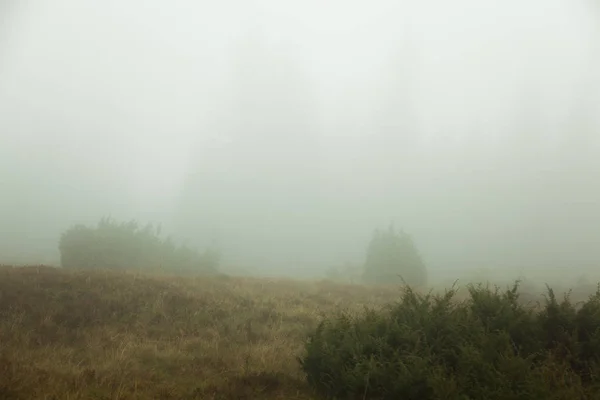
(392, 257)
(346, 273)
(115, 245)
(433, 347)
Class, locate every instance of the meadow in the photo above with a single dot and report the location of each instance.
(69, 334)
(122, 335)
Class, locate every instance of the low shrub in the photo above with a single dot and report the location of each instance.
(345, 273)
(490, 346)
(115, 245)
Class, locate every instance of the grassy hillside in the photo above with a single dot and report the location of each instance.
(108, 335)
(101, 335)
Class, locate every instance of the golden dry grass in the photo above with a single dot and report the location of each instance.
(103, 335)
(108, 335)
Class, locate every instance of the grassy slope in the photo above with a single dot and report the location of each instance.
(98, 335)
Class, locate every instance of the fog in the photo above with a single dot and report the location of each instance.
(285, 133)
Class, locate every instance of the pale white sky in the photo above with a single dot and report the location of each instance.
(131, 91)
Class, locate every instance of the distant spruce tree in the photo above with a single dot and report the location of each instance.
(393, 257)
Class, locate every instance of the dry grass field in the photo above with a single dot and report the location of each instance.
(101, 335)
(108, 335)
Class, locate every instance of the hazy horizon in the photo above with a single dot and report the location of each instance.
(286, 133)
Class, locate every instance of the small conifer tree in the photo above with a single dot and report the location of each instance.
(393, 257)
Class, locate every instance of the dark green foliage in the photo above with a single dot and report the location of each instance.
(433, 347)
(115, 245)
(392, 257)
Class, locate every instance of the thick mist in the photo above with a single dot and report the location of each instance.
(285, 134)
